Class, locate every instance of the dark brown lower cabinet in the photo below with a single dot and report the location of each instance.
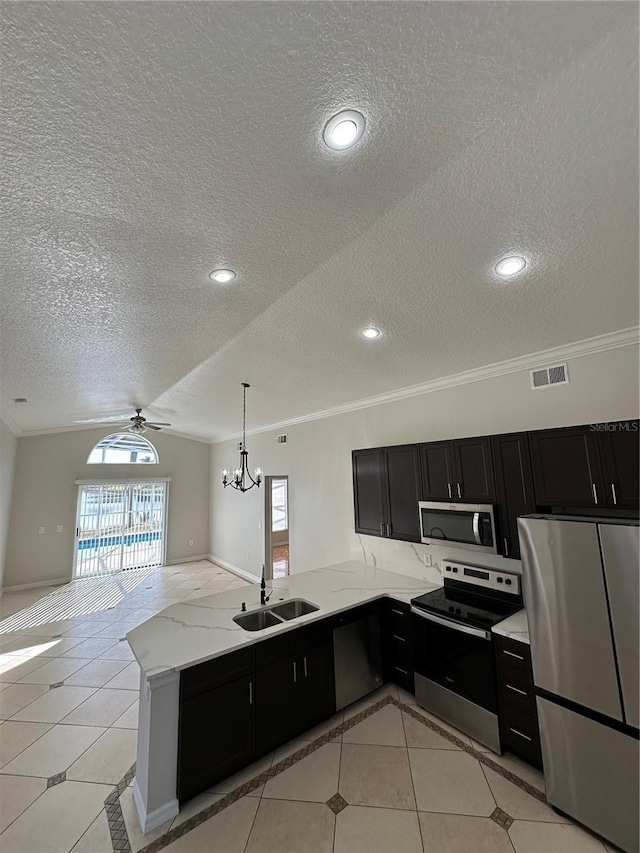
(216, 735)
(276, 705)
(316, 694)
(519, 731)
(294, 695)
(397, 644)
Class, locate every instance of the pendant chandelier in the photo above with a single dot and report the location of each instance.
(241, 475)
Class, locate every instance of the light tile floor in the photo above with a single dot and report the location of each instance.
(69, 700)
(381, 777)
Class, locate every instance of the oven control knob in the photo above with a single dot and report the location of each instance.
(455, 571)
(451, 610)
(458, 611)
(447, 568)
(500, 580)
(508, 581)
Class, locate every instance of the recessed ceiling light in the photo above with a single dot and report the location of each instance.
(510, 266)
(344, 130)
(371, 332)
(222, 276)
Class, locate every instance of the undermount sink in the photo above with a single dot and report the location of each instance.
(257, 621)
(267, 617)
(293, 608)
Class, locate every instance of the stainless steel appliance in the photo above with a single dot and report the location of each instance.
(581, 589)
(455, 674)
(468, 526)
(357, 655)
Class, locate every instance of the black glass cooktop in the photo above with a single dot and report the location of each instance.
(483, 611)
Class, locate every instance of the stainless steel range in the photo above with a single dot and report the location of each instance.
(454, 664)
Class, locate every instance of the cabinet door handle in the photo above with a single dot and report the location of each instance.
(295, 672)
(613, 494)
(595, 494)
(459, 490)
(397, 612)
(388, 530)
(403, 671)
(517, 690)
(381, 528)
(400, 639)
(506, 547)
(251, 692)
(304, 660)
(516, 732)
(513, 655)
(449, 488)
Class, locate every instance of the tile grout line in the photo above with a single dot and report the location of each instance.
(412, 782)
(242, 790)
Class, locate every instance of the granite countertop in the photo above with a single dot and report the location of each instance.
(515, 627)
(200, 629)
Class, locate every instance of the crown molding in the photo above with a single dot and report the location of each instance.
(10, 423)
(532, 361)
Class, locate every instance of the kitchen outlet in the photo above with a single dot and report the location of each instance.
(427, 559)
(59, 528)
(190, 541)
(41, 530)
(259, 525)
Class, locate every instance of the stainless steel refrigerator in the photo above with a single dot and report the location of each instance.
(581, 592)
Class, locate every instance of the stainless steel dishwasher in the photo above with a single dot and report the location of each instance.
(357, 654)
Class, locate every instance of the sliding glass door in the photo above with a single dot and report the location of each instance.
(120, 525)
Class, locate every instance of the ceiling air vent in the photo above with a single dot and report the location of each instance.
(544, 377)
(281, 439)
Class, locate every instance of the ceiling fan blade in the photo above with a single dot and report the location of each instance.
(156, 423)
(151, 426)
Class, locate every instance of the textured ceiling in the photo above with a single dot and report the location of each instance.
(144, 144)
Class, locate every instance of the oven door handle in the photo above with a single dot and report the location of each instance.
(476, 528)
(450, 623)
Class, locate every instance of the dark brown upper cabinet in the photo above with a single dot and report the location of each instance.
(620, 462)
(514, 487)
(386, 492)
(401, 482)
(367, 492)
(437, 471)
(566, 467)
(460, 470)
(474, 469)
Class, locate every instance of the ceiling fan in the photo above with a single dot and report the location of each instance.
(136, 424)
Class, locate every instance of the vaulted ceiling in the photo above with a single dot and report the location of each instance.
(145, 144)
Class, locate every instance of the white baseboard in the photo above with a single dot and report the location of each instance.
(158, 816)
(235, 569)
(54, 582)
(187, 560)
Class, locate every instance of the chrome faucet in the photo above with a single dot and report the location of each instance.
(263, 590)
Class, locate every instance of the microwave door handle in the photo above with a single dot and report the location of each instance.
(476, 528)
(449, 623)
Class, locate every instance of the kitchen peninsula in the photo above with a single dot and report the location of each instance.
(186, 636)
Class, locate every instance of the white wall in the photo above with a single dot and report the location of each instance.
(317, 459)
(45, 495)
(8, 448)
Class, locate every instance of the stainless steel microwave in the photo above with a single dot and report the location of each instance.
(468, 526)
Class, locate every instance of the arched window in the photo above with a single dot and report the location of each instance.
(123, 448)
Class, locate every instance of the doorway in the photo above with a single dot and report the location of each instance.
(120, 525)
(276, 525)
